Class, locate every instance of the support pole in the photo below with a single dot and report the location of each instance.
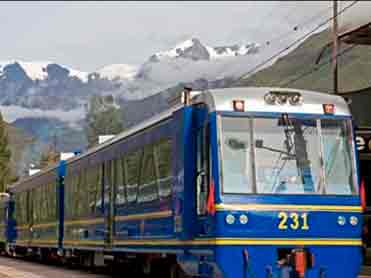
(336, 47)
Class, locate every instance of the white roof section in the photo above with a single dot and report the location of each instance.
(222, 100)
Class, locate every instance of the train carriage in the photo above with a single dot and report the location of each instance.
(235, 182)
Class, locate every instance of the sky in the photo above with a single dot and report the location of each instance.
(90, 35)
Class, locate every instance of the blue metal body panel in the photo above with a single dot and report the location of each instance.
(184, 173)
(10, 222)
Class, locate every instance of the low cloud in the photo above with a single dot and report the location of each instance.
(12, 112)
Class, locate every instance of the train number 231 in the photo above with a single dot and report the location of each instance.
(293, 221)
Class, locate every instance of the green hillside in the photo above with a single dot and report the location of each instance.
(354, 68)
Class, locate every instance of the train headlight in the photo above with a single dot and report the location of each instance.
(296, 99)
(230, 219)
(244, 219)
(270, 98)
(353, 220)
(341, 220)
(282, 99)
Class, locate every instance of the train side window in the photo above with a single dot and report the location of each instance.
(107, 181)
(202, 174)
(100, 183)
(68, 196)
(24, 208)
(74, 195)
(132, 161)
(147, 187)
(78, 205)
(92, 180)
(53, 200)
(162, 158)
(47, 201)
(120, 182)
(39, 203)
(36, 204)
(20, 209)
(43, 210)
(84, 187)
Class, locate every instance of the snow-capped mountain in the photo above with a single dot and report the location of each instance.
(38, 70)
(53, 87)
(193, 49)
(28, 86)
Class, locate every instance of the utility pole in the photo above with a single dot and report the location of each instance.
(55, 142)
(336, 46)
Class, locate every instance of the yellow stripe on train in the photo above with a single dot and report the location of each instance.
(210, 241)
(271, 207)
(246, 241)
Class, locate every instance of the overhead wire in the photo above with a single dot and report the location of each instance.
(295, 42)
(298, 26)
(317, 67)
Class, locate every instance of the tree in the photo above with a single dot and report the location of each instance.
(103, 117)
(48, 157)
(5, 154)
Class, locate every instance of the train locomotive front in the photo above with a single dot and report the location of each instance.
(282, 193)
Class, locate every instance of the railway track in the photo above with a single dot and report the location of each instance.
(20, 268)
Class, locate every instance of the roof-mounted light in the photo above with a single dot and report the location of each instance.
(282, 97)
(329, 109)
(239, 105)
(270, 98)
(296, 99)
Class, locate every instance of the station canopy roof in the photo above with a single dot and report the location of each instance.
(354, 27)
(354, 24)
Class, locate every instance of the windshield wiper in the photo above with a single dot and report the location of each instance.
(289, 146)
(259, 145)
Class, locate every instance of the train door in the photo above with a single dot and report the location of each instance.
(108, 174)
(29, 212)
(202, 169)
(191, 171)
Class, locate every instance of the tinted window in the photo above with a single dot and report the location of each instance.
(94, 176)
(132, 164)
(162, 156)
(148, 190)
(120, 181)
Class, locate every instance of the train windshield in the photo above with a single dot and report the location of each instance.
(287, 156)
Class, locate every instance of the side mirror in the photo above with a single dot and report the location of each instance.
(259, 143)
(200, 176)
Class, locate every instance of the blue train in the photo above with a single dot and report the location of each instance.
(235, 182)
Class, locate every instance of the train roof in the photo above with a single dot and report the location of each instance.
(216, 100)
(222, 100)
